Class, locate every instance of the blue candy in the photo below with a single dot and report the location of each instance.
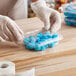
(70, 10)
(30, 46)
(43, 48)
(32, 39)
(33, 43)
(51, 44)
(70, 22)
(37, 47)
(56, 42)
(26, 40)
(38, 40)
(42, 40)
(47, 33)
(70, 14)
(39, 35)
(46, 37)
(55, 36)
(46, 46)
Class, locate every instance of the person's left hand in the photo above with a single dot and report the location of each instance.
(10, 31)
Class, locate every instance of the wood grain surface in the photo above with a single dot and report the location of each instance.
(57, 61)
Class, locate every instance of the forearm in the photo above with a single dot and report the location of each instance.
(34, 0)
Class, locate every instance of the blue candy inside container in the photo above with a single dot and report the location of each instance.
(41, 41)
(70, 14)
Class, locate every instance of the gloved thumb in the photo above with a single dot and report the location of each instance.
(1, 39)
(47, 15)
(47, 22)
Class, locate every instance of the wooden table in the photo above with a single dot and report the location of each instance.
(57, 61)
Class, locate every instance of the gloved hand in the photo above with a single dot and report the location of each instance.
(50, 17)
(9, 30)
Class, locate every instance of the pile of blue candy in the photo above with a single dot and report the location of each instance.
(70, 14)
(41, 41)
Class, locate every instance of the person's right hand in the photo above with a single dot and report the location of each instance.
(50, 17)
(9, 30)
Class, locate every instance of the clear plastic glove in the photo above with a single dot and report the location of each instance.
(9, 30)
(50, 17)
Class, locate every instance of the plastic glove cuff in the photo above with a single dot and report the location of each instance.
(38, 3)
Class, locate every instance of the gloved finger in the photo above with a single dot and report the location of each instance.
(47, 14)
(17, 27)
(8, 33)
(21, 32)
(18, 37)
(47, 23)
(55, 27)
(1, 39)
(2, 34)
(20, 42)
(56, 21)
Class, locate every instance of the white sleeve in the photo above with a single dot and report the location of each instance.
(19, 10)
